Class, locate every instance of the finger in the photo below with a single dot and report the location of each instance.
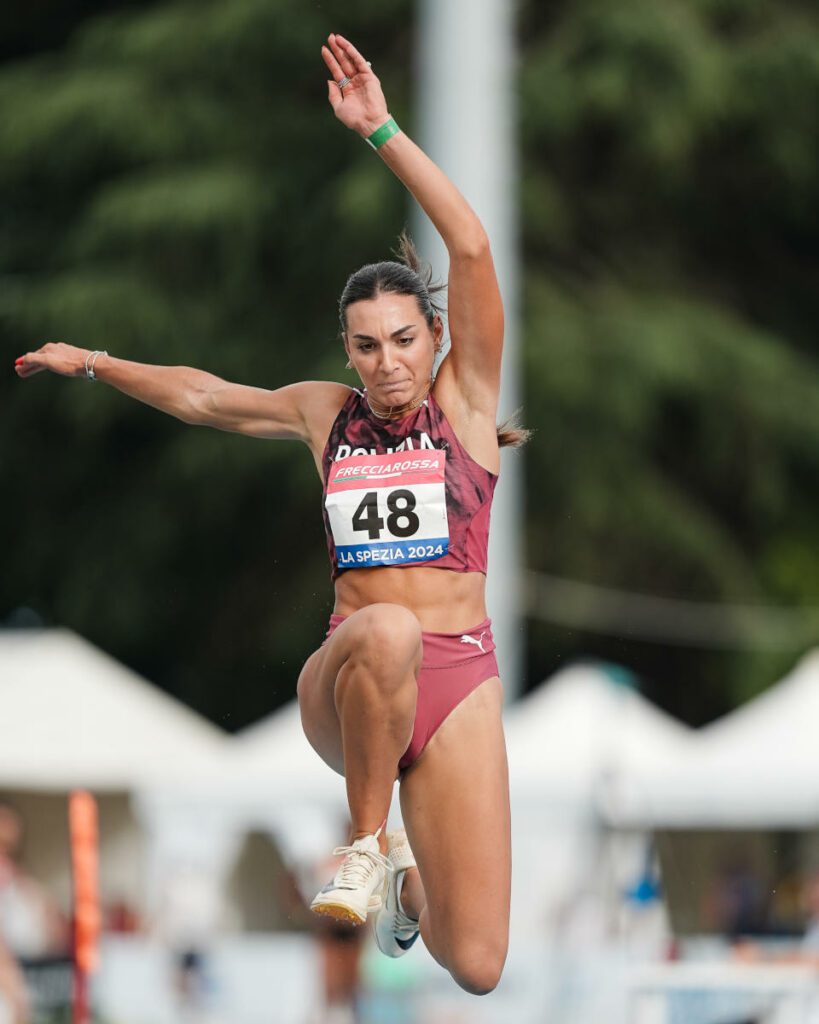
(28, 369)
(353, 56)
(24, 364)
(334, 95)
(343, 59)
(333, 65)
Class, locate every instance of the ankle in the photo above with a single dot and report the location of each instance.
(411, 896)
(378, 833)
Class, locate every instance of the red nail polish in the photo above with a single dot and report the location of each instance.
(18, 361)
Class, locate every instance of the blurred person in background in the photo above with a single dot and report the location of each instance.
(30, 921)
(13, 995)
(32, 928)
(189, 919)
(738, 902)
(806, 950)
(340, 950)
(405, 685)
(810, 940)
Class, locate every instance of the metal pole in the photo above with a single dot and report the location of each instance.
(468, 126)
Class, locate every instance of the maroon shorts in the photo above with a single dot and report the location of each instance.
(453, 665)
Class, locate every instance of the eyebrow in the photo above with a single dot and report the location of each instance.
(366, 337)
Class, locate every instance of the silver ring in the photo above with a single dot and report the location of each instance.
(344, 81)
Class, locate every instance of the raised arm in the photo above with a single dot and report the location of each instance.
(296, 411)
(475, 310)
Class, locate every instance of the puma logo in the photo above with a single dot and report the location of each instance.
(471, 640)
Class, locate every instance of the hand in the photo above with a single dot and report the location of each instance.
(360, 105)
(58, 357)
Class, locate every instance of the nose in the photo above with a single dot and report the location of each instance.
(388, 360)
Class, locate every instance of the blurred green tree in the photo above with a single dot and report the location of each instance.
(669, 170)
(177, 190)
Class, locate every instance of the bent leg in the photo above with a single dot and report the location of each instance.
(357, 698)
(455, 804)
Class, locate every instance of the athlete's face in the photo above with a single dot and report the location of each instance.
(392, 347)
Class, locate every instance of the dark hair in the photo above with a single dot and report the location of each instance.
(409, 275)
(406, 276)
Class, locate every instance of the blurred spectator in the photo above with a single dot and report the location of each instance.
(189, 918)
(809, 948)
(13, 996)
(121, 918)
(807, 951)
(340, 949)
(738, 902)
(31, 925)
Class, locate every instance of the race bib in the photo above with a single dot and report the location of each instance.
(388, 509)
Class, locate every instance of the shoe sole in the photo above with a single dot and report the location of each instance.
(339, 912)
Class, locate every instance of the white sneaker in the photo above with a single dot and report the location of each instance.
(357, 885)
(395, 931)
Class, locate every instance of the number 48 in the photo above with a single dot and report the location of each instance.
(401, 505)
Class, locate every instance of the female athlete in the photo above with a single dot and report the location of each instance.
(405, 684)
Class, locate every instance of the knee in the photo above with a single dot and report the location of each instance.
(305, 684)
(477, 968)
(387, 630)
(302, 691)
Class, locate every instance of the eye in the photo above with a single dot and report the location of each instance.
(364, 346)
(406, 341)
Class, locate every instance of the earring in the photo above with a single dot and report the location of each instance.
(349, 365)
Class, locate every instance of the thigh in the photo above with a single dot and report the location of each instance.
(319, 719)
(455, 805)
(393, 636)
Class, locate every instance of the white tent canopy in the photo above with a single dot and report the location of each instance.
(305, 800)
(269, 764)
(756, 767)
(74, 717)
(270, 780)
(579, 729)
(274, 755)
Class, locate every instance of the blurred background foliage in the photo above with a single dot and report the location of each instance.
(175, 189)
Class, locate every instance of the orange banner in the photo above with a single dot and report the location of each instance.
(82, 816)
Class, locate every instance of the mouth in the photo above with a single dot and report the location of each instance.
(393, 386)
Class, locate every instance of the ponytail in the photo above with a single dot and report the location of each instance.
(511, 434)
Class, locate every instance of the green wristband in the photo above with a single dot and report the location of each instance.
(380, 135)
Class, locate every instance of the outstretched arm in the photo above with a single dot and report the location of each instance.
(197, 397)
(475, 310)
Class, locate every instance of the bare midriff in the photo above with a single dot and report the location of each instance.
(443, 601)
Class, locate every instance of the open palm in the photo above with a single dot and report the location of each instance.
(360, 103)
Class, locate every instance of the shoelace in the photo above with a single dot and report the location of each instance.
(358, 865)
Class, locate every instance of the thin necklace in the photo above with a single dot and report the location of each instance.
(392, 412)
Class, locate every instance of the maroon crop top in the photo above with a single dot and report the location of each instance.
(403, 492)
